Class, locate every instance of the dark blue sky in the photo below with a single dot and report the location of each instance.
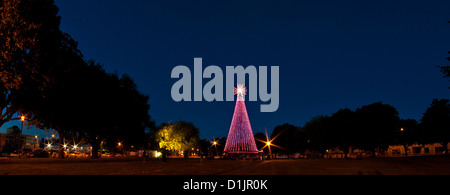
(332, 54)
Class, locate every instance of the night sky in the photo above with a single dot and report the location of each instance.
(331, 54)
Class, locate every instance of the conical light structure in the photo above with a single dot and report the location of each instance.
(240, 137)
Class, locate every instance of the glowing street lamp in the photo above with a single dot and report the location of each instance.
(268, 143)
(22, 118)
(37, 144)
(215, 143)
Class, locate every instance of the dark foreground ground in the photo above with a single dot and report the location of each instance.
(374, 166)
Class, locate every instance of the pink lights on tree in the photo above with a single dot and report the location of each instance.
(240, 137)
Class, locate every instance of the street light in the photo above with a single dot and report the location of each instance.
(215, 143)
(22, 118)
(120, 147)
(269, 143)
(36, 137)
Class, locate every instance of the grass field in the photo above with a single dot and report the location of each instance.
(135, 166)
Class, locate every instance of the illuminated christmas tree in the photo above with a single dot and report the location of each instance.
(240, 138)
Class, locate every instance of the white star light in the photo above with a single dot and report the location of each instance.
(241, 91)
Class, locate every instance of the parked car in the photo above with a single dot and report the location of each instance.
(56, 154)
(76, 155)
(38, 153)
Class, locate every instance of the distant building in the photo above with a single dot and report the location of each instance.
(392, 151)
(13, 130)
(2, 141)
(15, 142)
(415, 150)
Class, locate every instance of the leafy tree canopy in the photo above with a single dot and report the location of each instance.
(179, 136)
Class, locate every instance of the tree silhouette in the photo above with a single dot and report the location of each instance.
(407, 134)
(43, 74)
(343, 131)
(446, 69)
(98, 105)
(436, 123)
(370, 127)
(376, 125)
(285, 139)
(318, 137)
(33, 53)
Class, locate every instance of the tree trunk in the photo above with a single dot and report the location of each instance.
(186, 154)
(445, 144)
(374, 152)
(406, 150)
(95, 146)
(346, 151)
(164, 155)
(61, 145)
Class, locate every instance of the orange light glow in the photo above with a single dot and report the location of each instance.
(269, 142)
